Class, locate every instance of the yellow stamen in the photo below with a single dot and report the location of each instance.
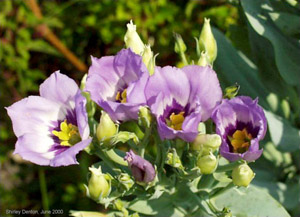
(122, 97)
(68, 134)
(176, 121)
(240, 141)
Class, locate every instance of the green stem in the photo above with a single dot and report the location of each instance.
(144, 143)
(116, 158)
(223, 190)
(43, 188)
(206, 181)
(228, 167)
(108, 161)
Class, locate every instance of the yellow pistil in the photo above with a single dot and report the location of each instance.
(122, 97)
(68, 134)
(240, 141)
(175, 121)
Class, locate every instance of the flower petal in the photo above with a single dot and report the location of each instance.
(35, 148)
(81, 116)
(59, 88)
(205, 89)
(171, 82)
(35, 114)
(68, 157)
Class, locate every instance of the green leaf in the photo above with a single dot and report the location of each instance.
(250, 201)
(161, 207)
(283, 134)
(286, 22)
(234, 67)
(287, 50)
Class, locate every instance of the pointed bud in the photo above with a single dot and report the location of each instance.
(145, 117)
(203, 60)
(149, 59)
(180, 46)
(106, 127)
(133, 40)
(142, 170)
(206, 143)
(125, 180)
(207, 163)
(207, 41)
(242, 175)
(99, 184)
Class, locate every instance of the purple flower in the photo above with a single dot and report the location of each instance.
(51, 128)
(116, 83)
(142, 170)
(181, 98)
(241, 123)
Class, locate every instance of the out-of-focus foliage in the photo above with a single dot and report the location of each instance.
(258, 47)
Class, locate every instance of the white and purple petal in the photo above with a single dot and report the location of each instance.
(35, 117)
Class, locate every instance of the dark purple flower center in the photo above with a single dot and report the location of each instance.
(174, 115)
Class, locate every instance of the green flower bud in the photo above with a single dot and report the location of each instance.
(145, 117)
(207, 163)
(149, 59)
(173, 159)
(203, 60)
(207, 41)
(133, 40)
(125, 180)
(231, 91)
(106, 127)
(206, 143)
(99, 184)
(242, 175)
(180, 46)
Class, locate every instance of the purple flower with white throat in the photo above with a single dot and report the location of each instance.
(241, 123)
(142, 170)
(116, 83)
(53, 127)
(182, 98)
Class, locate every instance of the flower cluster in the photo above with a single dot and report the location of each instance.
(169, 108)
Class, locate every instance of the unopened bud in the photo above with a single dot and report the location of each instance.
(99, 184)
(203, 60)
(207, 41)
(145, 117)
(106, 127)
(206, 143)
(125, 180)
(231, 91)
(173, 159)
(180, 46)
(149, 59)
(207, 163)
(242, 175)
(142, 170)
(133, 40)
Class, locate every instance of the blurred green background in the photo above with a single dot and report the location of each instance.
(258, 47)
